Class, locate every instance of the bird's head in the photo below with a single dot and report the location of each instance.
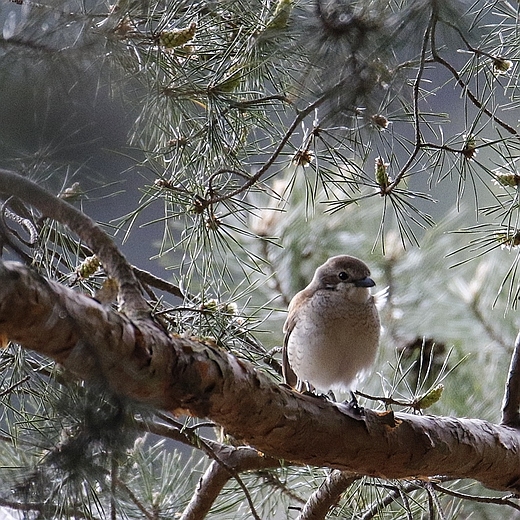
(346, 274)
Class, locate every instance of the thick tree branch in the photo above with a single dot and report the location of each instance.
(511, 405)
(71, 328)
(182, 375)
(187, 376)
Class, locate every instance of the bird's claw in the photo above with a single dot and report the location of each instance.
(354, 407)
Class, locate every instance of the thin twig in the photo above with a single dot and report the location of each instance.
(211, 453)
(417, 127)
(274, 273)
(486, 324)
(259, 101)
(430, 489)
(417, 404)
(134, 499)
(385, 400)
(273, 480)
(113, 484)
(188, 436)
(158, 283)
(472, 96)
(281, 145)
(5, 238)
(465, 88)
(217, 475)
(14, 385)
(174, 432)
(45, 507)
(394, 494)
(505, 500)
(24, 222)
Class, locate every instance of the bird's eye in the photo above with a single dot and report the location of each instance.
(343, 276)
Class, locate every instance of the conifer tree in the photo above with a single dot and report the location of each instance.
(266, 136)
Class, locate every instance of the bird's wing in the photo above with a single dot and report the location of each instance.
(289, 376)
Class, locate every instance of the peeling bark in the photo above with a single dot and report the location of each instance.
(184, 375)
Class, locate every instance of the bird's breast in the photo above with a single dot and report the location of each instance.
(334, 340)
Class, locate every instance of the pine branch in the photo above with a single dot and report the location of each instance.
(218, 474)
(43, 507)
(302, 114)
(417, 128)
(187, 376)
(327, 495)
(113, 261)
(395, 493)
(183, 375)
(465, 88)
(148, 278)
(504, 500)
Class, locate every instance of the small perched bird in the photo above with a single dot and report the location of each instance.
(332, 329)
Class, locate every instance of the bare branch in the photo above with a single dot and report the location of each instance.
(465, 88)
(434, 502)
(134, 499)
(218, 474)
(14, 385)
(417, 127)
(394, 493)
(272, 479)
(42, 507)
(278, 150)
(504, 500)
(327, 495)
(511, 405)
(150, 279)
(208, 489)
(182, 375)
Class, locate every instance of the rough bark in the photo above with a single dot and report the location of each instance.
(184, 375)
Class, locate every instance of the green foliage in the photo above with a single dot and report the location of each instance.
(73, 449)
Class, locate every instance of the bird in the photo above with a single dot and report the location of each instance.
(332, 330)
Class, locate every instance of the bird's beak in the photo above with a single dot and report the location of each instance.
(365, 282)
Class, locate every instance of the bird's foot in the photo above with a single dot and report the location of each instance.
(310, 393)
(354, 406)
